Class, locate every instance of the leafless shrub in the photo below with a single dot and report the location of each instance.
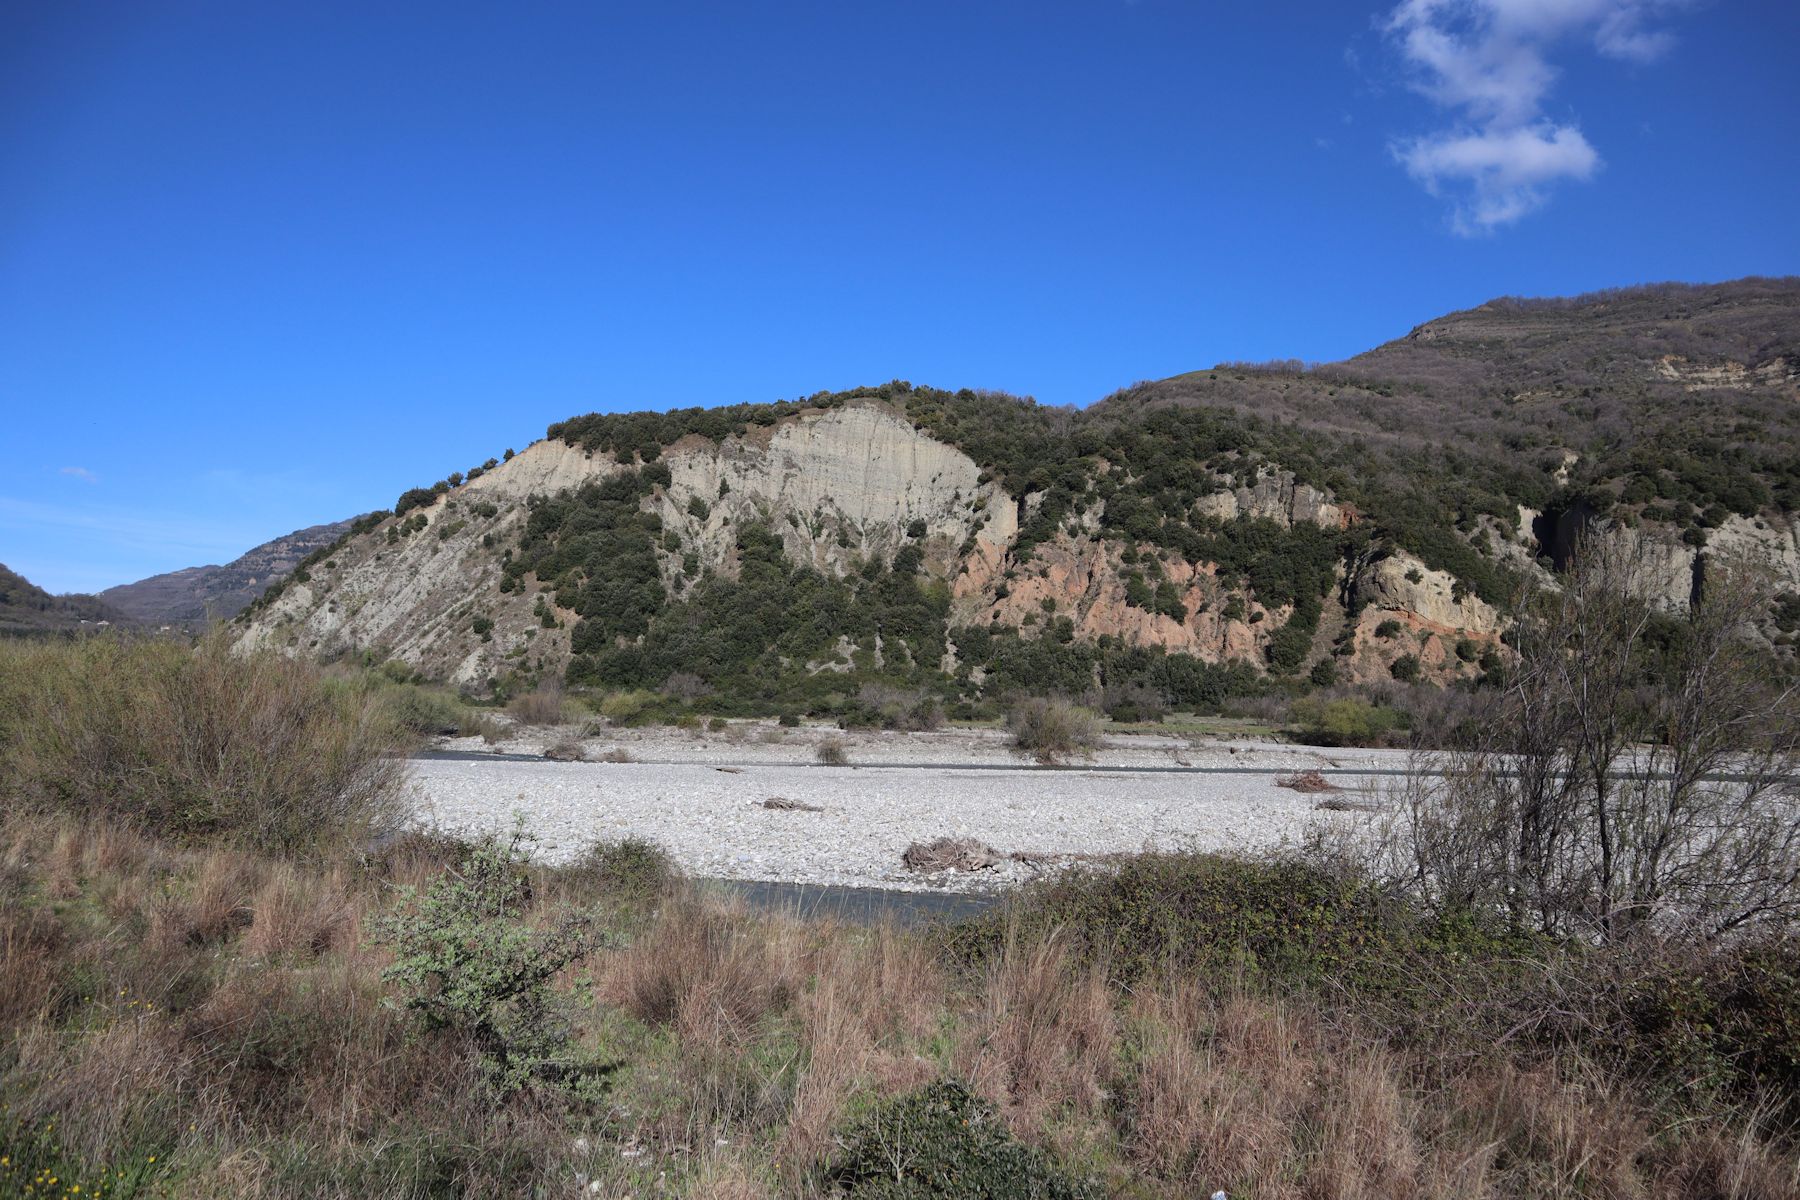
(542, 707)
(832, 752)
(566, 749)
(686, 686)
(1623, 780)
(1051, 730)
(912, 710)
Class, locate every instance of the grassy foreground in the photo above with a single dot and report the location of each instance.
(209, 1012)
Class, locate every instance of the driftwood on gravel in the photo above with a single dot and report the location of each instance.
(950, 854)
(1307, 783)
(783, 804)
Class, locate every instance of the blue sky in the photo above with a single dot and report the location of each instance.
(267, 265)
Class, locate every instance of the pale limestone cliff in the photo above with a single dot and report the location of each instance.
(1400, 584)
(1736, 375)
(1278, 497)
(837, 486)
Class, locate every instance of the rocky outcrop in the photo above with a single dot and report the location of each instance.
(849, 485)
(1399, 584)
(1082, 578)
(838, 487)
(415, 596)
(1279, 497)
(1768, 544)
(1776, 372)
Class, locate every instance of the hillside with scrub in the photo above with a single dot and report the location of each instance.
(231, 965)
(1228, 532)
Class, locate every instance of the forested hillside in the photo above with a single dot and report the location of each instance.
(26, 608)
(1215, 533)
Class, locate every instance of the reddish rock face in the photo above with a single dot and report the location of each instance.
(1082, 577)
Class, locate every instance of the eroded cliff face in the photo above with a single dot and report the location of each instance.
(852, 484)
(1277, 496)
(1082, 578)
(412, 588)
(839, 487)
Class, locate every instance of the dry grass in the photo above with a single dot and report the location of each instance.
(224, 1008)
(832, 752)
(1043, 1045)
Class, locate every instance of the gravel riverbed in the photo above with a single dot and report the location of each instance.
(702, 800)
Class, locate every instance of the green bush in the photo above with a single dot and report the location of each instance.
(631, 869)
(1405, 668)
(425, 710)
(621, 707)
(941, 1143)
(468, 961)
(1343, 722)
(1155, 914)
(1725, 1022)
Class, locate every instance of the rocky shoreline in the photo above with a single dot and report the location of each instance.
(705, 800)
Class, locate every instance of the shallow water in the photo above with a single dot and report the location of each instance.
(858, 905)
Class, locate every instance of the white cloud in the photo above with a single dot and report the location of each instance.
(81, 473)
(1505, 172)
(1488, 63)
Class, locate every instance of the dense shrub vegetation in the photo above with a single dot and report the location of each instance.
(197, 744)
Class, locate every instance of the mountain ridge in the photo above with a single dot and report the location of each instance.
(192, 596)
(1361, 520)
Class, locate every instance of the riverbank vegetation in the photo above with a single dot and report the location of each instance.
(1480, 994)
(193, 1021)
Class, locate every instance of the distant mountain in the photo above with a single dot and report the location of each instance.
(26, 608)
(194, 595)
